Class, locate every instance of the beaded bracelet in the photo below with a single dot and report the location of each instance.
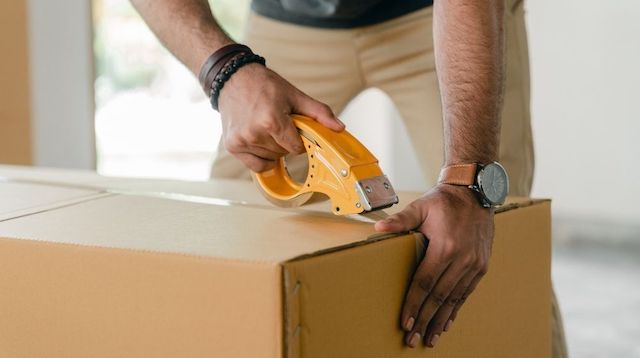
(212, 65)
(225, 74)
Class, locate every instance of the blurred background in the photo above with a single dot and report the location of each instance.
(90, 87)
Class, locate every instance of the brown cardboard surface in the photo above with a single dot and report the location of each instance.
(18, 199)
(70, 301)
(346, 303)
(139, 276)
(143, 223)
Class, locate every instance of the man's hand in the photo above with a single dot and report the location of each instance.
(255, 105)
(460, 234)
(255, 102)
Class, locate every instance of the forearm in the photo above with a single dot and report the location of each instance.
(469, 52)
(186, 27)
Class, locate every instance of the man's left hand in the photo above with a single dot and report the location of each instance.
(460, 234)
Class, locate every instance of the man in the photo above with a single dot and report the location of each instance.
(331, 50)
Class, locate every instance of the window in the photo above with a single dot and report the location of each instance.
(152, 119)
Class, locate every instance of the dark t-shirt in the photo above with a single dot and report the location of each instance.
(336, 13)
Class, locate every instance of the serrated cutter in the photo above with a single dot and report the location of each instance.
(340, 167)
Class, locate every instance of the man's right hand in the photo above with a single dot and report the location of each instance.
(255, 105)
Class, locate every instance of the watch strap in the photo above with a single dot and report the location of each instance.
(459, 174)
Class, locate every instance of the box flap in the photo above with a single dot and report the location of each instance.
(230, 232)
(22, 198)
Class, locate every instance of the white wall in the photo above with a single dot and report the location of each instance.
(585, 63)
(61, 52)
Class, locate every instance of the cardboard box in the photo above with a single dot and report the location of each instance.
(124, 275)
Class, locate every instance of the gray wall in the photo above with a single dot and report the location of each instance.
(61, 52)
(585, 58)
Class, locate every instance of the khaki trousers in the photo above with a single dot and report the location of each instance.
(396, 56)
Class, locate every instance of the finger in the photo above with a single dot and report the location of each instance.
(408, 219)
(258, 137)
(436, 298)
(439, 322)
(303, 104)
(423, 282)
(263, 153)
(288, 138)
(255, 163)
(472, 286)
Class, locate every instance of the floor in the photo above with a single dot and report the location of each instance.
(598, 287)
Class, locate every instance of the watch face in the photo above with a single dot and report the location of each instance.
(494, 183)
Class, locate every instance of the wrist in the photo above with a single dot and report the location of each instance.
(489, 182)
(239, 87)
(229, 70)
(461, 194)
(221, 65)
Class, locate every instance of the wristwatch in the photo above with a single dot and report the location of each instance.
(489, 181)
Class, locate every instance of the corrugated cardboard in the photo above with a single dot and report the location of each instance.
(139, 276)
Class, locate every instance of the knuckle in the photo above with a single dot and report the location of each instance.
(260, 166)
(325, 108)
(269, 124)
(453, 300)
(232, 143)
(425, 283)
(250, 136)
(464, 297)
(402, 216)
(290, 136)
(270, 88)
(438, 324)
(438, 298)
(470, 261)
(450, 250)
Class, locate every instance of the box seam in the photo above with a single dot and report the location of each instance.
(137, 251)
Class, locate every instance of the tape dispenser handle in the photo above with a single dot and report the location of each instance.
(277, 183)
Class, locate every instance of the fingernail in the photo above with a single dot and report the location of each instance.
(434, 339)
(341, 122)
(408, 325)
(415, 339)
(448, 325)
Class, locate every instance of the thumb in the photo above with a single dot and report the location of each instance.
(305, 105)
(408, 219)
